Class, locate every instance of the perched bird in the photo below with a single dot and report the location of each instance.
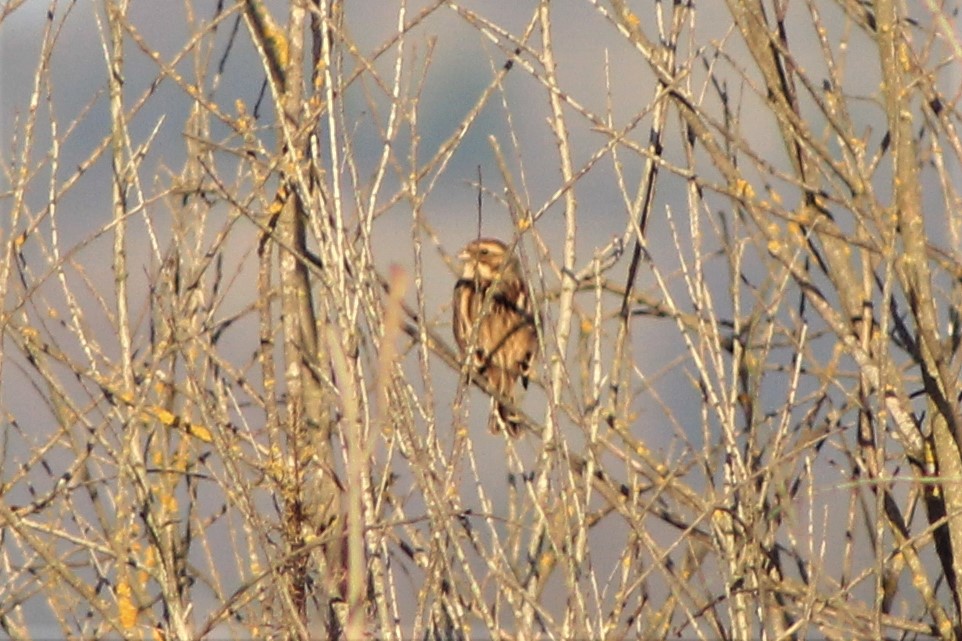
(494, 321)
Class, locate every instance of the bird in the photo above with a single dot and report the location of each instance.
(494, 321)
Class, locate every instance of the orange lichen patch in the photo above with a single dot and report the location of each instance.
(126, 609)
(743, 189)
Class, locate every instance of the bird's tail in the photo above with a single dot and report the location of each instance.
(503, 418)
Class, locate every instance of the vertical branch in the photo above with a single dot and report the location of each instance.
(326, 200)
(130, 464)
(944, 501)
(541, 534)
(306, 425)
(116, 15)
(568, 281)
(297, 311)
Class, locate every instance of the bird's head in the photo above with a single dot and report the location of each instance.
(485, 260)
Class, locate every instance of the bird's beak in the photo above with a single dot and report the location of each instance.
(464, 256)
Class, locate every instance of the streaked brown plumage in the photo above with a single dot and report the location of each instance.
(504, 342)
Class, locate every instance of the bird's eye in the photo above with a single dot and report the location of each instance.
(485, 251)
